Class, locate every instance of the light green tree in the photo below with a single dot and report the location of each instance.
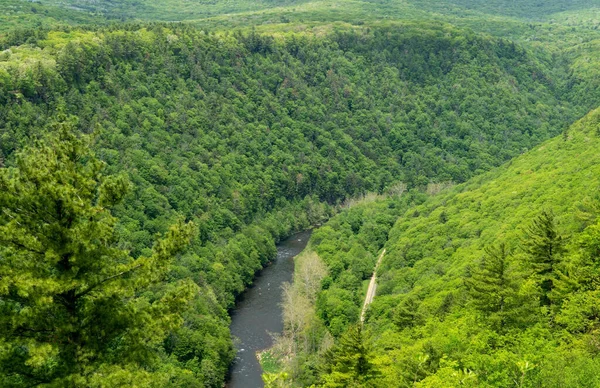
(71, 313)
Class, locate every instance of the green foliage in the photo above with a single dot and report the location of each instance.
(321, 98)
(494, 289)
(348, 245)
(250, 135)
(454, 292)
(17, 17)
(544, 246)
(522, 9)
(70, 299)
(489, 283)
(347, 363)
(456, 305)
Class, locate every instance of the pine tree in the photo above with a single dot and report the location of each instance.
(491, 285)
(70, 307)
(406, 313)
(347, 362)
(578, 287)
(544, 246)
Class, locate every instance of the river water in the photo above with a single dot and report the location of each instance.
(258, 313)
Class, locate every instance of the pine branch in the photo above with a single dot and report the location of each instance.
(91, 288)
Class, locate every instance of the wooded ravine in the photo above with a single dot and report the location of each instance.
(153, 153)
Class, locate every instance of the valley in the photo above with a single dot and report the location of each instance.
(154, 154)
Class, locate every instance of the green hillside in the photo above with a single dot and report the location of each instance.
(501, 17)
(529, 10)
(51, 13)
(171, 10)
(565, 34)
(152, 153)
(20, 15)
(439, 262)
(252, 136)
(490, 283)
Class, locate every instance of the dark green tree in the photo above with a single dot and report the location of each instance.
(71, 313)
(491, 285)
(545, 247)
(347, 363)
(406, 314)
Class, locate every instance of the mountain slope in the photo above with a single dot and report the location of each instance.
(429, 307)
(489, 283)
(252, 136)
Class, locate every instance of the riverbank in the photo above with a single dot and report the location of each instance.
(303, 330)
(329, 291)
(258, 314)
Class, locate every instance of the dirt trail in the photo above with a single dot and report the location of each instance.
(372, 288)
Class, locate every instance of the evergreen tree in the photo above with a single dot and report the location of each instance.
(71, 313)
(544, 246)
(406, 314)
(578, 286)
(347, 362)
(491, 285)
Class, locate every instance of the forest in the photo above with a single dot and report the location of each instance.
(152, 154)
(487, 283)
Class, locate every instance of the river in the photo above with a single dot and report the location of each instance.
(258, 313)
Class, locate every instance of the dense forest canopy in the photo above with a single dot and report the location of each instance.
(252, 120)
(513, 284)
(297, 13)
(533, 10)
(489, 283)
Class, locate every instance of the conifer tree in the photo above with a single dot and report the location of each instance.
(491, 285)
(544, 246)
(406, 313)
(347, 362)
(577, 287)
(71, 313)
